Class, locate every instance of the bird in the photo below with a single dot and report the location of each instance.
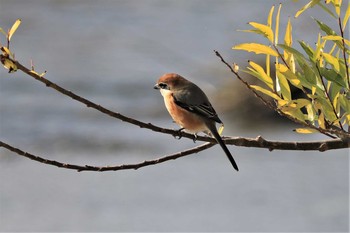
(190, 108)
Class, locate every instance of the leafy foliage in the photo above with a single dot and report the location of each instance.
(321, 74)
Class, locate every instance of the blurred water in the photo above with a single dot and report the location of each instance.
(112, 52)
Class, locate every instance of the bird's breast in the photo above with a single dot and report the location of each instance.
(192, 122)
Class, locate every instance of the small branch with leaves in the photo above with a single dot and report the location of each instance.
(323, 76)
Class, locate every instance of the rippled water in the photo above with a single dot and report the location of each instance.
(112, 52)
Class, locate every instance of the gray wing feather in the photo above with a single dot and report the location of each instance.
(197, 102)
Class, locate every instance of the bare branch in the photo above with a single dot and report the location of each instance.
(247, 142)
(80, 168)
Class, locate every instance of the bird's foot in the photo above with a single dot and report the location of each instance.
(195, 137)
(178, 136)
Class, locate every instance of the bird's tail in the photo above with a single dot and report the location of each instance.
(218, 138)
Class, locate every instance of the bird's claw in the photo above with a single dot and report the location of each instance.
(179, 134)
(195, 137)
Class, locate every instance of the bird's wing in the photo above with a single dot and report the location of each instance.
(203, 109)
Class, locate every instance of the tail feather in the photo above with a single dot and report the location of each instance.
(218, 138)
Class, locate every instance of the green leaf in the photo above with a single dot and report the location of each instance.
(327, 10)
(324, 27)
(344, 102)
(327, 108)
(329, 31)
(334, 89)
(308, 50)
(256, 48)
(301, 59)
(332, 75)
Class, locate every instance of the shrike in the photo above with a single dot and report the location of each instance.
(190, 108)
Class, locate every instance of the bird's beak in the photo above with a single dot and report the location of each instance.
(156, 87)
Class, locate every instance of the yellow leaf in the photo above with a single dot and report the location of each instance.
(293, 106)
(13, 29)
(256, 48)
(285, 89)
(269, 18)
(277, 24)
(336, 38)
(318, 50)
(293, 79)
(262, 75)
(337, 4)
(221, 129)
(346, 16)
(313, 90)
(347, 119)
(302, 102)
(321, 121)
(294, 112)
(267, 62)
(336, 103)
(307, 6)
(282, 102)
(288, 36)
(311, 113)
(264, 29)
(331, 37)
(332, 60)
(8, 64)
(7, 52)
(305, 130)
(266, 92)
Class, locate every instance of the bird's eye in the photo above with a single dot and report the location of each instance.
(163, 86)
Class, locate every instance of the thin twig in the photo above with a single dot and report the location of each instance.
(344, 52)
(267, 103)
